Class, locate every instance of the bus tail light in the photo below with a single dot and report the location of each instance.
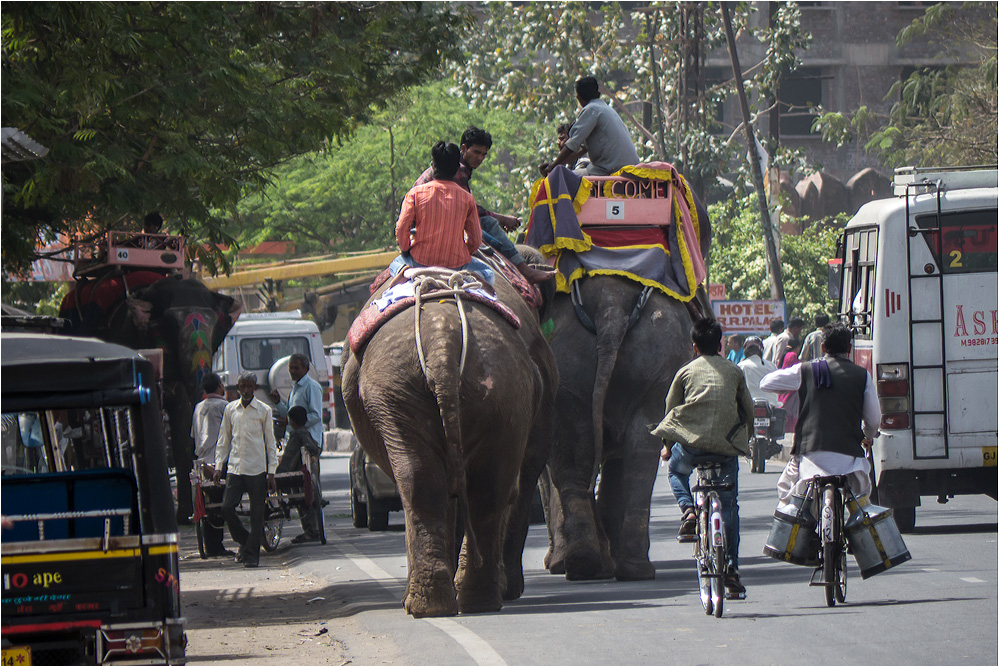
(893, 395)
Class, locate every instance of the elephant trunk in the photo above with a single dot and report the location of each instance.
(611, 327)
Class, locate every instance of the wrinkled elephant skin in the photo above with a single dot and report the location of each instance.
(464, 450)
(613, 384)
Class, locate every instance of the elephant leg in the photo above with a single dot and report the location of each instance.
(637, 478)
(179, 413)
(586, 554)
(532, 469)
(430, 589)
(554, 560)
(481, 577)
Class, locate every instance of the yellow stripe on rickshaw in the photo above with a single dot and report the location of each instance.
(77, 555)
(163, 549)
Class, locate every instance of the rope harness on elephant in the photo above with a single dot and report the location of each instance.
(437, 283)
(584, 318)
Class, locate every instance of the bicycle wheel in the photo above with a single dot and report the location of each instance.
(701, 560)
(718, 564)
(841, 579)
(831, 544)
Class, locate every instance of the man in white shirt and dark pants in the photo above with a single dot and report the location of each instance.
(247, 451)
(205, 427)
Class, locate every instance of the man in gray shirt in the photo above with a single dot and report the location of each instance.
(598, 132)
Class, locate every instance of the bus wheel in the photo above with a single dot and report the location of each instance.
(905, 518)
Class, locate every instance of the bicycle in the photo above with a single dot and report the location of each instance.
(710, 547)
(832, 499)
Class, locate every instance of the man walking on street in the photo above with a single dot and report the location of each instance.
(307, 394)
(247, 452)
(205, 427)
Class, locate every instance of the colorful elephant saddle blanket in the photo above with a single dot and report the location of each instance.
(645, 236)
(404, 293)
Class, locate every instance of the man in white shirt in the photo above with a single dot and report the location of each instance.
(247, 451)
(839, 416)
(755, 368)
(205, 432)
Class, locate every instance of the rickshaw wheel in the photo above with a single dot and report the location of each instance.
(322, 525)
(200, 531)
(272, 533)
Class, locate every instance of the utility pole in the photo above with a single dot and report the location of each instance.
(773, 262)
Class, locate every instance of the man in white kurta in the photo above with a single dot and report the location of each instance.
(839, 416)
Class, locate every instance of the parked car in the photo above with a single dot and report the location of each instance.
(373, 494)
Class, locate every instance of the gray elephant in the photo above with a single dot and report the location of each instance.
(464, 433)
(614, 379)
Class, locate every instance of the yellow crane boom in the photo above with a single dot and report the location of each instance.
(302, 270)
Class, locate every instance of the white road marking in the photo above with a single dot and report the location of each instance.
(973, 580)
(478, 649)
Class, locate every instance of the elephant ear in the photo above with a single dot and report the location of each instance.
(141, 312)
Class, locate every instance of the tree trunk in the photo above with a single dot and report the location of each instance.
(773, 261)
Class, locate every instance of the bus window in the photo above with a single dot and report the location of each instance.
(860, 254)
(965, 241)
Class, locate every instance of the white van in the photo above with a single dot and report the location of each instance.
(919, 291)
(262, 343)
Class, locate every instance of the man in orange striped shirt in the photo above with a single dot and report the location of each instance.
(439, 222)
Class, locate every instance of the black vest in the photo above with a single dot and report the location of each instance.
(830, 418)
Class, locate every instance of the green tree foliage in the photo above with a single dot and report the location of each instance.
(183, 107)
(646, 57)
(942, 116)
(347, 197)
(737, 258)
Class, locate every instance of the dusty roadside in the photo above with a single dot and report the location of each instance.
(264, 616)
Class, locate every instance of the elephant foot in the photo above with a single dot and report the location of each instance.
(479, 604)
(433, 597)
(586, 564)
(484, 596)
(554, 565)
(514, 587)
(635, 570)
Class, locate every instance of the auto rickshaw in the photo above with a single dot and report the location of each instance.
(89, 538)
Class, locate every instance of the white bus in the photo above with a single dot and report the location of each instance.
(919, 291)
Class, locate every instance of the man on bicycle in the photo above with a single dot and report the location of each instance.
(708, 408)
(838, 412)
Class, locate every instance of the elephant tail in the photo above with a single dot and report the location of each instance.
(444, 380)
(610, 332)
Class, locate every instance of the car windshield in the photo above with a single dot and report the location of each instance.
(258, 354)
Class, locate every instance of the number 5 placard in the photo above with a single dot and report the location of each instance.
(615, 210)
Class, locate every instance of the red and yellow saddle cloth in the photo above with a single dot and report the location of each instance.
(640, 223)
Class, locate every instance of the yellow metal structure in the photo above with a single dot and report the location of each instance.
(301, 270)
